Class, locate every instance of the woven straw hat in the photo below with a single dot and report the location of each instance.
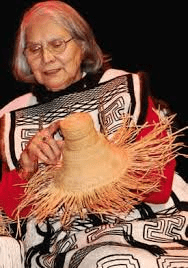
(97, 175)
(89, 160)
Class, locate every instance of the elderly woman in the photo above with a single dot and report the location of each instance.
(57, 53)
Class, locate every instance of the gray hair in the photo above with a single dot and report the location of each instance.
(71, 20)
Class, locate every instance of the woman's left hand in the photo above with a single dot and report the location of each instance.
(41, 148)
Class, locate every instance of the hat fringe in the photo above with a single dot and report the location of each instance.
(4, 224)
(148, 157)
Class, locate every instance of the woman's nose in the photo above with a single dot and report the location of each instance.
(47, 55)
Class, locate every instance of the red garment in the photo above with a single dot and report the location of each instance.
(163, 195)
(11, 192)
(166, 184)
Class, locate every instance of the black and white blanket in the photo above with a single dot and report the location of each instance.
(151, 236)
(106, 103)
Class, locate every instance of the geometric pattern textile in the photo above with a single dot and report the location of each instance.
(113, 98)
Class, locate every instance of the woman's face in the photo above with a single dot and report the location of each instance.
(52, 66)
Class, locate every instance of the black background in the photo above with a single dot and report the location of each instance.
(129, 32)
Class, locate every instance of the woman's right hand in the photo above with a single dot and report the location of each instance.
(41, 148)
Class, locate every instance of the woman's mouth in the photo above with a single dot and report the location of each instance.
(52, 71)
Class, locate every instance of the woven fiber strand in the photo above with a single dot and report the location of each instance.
(4, 223)
(102, 176)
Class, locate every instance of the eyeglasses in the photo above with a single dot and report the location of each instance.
(56, 46)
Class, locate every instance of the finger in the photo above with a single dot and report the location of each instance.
(43, 156)
(28, 163)
(50, 147)
(46, 136)
(51, 150)
(54, 146)
(61, 144)
(37, 149)
(53, 128)
(44, 146)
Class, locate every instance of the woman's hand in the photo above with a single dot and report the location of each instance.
(41, 148)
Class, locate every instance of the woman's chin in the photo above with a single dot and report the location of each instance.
(59, 81)
(55, 86)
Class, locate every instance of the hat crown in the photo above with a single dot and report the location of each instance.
(78, 131)
(89, 159)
